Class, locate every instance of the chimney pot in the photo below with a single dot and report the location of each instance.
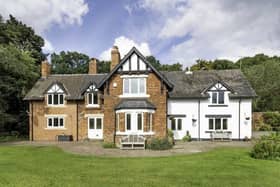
(115, 57)
(92, 66)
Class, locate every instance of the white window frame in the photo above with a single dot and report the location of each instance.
(217, 97)
(150, 122)
(95, 121)
(222, 124)
(52, 118)
(126, 130)
(52, 96)
(91, 94)
(176, 124)
(138, 86)
(134, 126)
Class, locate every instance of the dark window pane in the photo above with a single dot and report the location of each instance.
(95, 100)
(179, 124)
(211, 124)
(214, 97)
(61, 122)
(91, 123)
(90, 98)
(139, 121)
(221, 97)
(225, 125)
(98, 123)
(61, 99)
(55, 99)
(173, 124)
(49, 99)
(128, 120)
(55, 122)
(217, 124)
(50, 122)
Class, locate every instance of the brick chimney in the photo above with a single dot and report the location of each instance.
(45, 69)
(115, 57)
(92, 66)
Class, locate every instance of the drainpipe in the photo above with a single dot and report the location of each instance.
(239, 103)
(32, 138)
(77, 121)
(198, 120)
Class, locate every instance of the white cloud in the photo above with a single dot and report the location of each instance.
(218, 28)
(48, 47)
(42, 14)
(125, 44)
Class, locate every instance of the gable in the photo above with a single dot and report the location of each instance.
(218, 87)
(55, 88)
(135, 62)
(92, 88)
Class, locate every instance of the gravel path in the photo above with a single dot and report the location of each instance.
(96, 149)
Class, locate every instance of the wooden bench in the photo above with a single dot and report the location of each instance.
(132, 142)
(220, 135)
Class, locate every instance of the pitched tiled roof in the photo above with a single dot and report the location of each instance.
(192, 85)
(135, 104)
(74, 84)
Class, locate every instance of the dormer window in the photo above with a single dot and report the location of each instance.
(92, 96)
(218, 97)
(55, 96)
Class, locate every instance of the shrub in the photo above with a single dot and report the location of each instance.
(108, 145)
(170, 136)
(264, 127)
(159, 143)
(267, 147)
(187, 137)
(272, 119)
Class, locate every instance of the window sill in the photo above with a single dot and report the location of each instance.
(56, 106)
(218, 105)
(134, 96)
(135, 133)
(218, 131)
(55, 128)
(93, 106)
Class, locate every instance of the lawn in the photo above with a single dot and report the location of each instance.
(50, 166)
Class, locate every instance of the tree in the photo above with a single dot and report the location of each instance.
(18, 74)
(69, 63)
(14, 32)
(103, 66)
(163, 67)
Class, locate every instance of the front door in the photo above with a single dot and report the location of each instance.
(95, 128)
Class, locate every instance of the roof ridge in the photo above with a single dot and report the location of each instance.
(77, 74)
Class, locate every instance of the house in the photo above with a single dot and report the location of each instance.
(135, 98)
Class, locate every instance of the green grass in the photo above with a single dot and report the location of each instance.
(49, 166)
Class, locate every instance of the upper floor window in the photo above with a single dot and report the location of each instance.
(92, 95)
(134, 86)
(55, 95)
(218, 97)
(92, 98)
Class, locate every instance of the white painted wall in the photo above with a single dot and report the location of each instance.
(189, 107)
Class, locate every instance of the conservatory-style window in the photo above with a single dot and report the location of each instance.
(55, 95)
(218, 97)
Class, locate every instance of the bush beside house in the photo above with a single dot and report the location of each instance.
(266, 121)
(267, 147)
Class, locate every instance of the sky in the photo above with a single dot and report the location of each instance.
(171, 30)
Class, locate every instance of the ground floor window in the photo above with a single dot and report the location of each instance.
(218, 124)
(176, 124)
(55, 122)
(134, 121)
(95, 123)
(150, 122)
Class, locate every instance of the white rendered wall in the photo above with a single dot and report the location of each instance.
(190, 107)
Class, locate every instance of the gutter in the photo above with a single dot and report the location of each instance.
(77, 122)
(239, 103)
(32, 132)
